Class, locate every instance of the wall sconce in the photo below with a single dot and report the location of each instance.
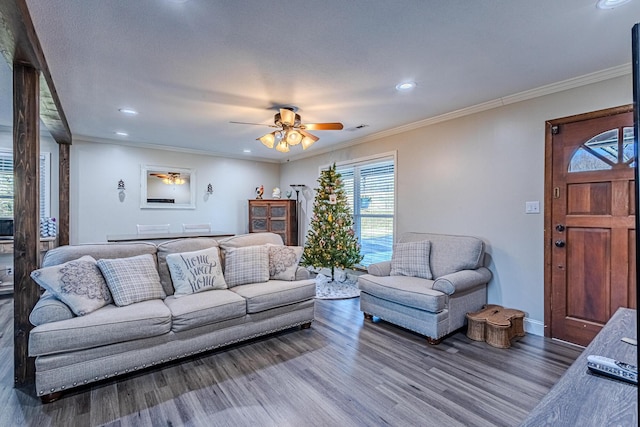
(121, 189)
(209, 189)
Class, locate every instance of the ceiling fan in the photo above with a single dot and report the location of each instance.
(291, 130)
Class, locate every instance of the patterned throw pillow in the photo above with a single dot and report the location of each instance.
(411, 259)
(196, 271)
(132, 279)
(283, 261)
(78, 283)
(248, 264)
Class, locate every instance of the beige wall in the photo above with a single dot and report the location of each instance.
(473, 175)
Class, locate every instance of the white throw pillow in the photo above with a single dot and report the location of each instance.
(132, 279)
(248, 264)
(78, 283)
(283, 261)
(411, 259)
(196, 271)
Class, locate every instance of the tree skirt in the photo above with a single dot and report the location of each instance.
(326, 289)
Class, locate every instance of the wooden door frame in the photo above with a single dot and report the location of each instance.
(548, 197)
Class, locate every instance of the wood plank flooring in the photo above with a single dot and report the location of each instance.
(342, 371)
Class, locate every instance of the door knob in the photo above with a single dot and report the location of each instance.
(560, 243)
(560, 228)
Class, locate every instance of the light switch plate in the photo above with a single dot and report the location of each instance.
(532, 207)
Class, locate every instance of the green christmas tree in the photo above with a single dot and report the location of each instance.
(331, 241)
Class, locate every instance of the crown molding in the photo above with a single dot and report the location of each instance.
(146, 145)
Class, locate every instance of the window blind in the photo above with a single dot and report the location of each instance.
(7, 185)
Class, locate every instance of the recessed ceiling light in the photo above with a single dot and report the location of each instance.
(120, 133)
(129, 111)
(405, 86)
(610, 4)
(246, 151)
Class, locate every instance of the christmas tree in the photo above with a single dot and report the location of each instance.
(331, 241)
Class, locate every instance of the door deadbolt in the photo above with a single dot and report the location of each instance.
(560, 228)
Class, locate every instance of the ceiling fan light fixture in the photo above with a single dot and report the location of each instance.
(293, 137)
(287, 117)
(268, 140)
(307, 142)
(282, 146)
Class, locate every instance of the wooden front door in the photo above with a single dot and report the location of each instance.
(590, 226)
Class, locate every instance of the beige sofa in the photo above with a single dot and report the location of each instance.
(454, 283)
(71, 350)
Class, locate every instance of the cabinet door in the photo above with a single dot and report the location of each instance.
(259, 218)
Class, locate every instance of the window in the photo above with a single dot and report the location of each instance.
(370, 188)
(6, 184)
(608, 150)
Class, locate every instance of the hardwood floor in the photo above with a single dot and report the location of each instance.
(342, 371)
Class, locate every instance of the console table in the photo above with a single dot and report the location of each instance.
(581, 398)
(162, 237)
(6, 248)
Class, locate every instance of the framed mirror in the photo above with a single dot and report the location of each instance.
(166, 187)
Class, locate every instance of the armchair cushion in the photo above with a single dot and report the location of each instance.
(411, 259)
(462, 280)
(410, 291)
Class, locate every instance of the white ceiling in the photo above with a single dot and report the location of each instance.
(191, 67)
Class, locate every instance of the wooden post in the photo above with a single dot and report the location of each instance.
(26, 243)
(63, 194)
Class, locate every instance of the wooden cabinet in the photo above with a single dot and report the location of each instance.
(276, 216)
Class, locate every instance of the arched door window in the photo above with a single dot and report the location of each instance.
(612, 149)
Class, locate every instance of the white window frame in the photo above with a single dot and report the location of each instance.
(363, 161)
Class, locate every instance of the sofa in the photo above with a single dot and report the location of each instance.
(430, 284)
(176, 319)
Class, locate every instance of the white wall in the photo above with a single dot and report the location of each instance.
(96, 210)
(472, 175)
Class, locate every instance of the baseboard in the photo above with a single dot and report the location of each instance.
(534, 327)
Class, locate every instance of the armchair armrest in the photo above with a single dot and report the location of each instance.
(380, 268)
(302, 274)
(462, 280)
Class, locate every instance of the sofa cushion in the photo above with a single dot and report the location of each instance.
(275, 293)
(411, 259)
(132, 280)
(196, 271)
(249, 264)
(49, 309)
(410, 291)
(204, 308)
(283, 261)
(251, 239)
(108, 325)
(177, 246)
(450, 253)
(78, 283)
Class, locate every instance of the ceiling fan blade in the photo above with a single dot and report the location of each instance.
(287, 117)
(322, 126)
(255, 124)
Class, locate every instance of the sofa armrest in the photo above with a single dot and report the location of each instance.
(462, 280)
(302, 274)
(49, 309)
(380, 268)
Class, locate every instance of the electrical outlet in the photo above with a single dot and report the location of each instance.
(9, 270)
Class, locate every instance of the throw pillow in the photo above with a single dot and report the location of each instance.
(132, 279)
(249, 264)
(77, 283)
(283, 261)
(196, 271)
(411, 259)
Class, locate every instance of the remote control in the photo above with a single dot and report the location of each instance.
(613, 368)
